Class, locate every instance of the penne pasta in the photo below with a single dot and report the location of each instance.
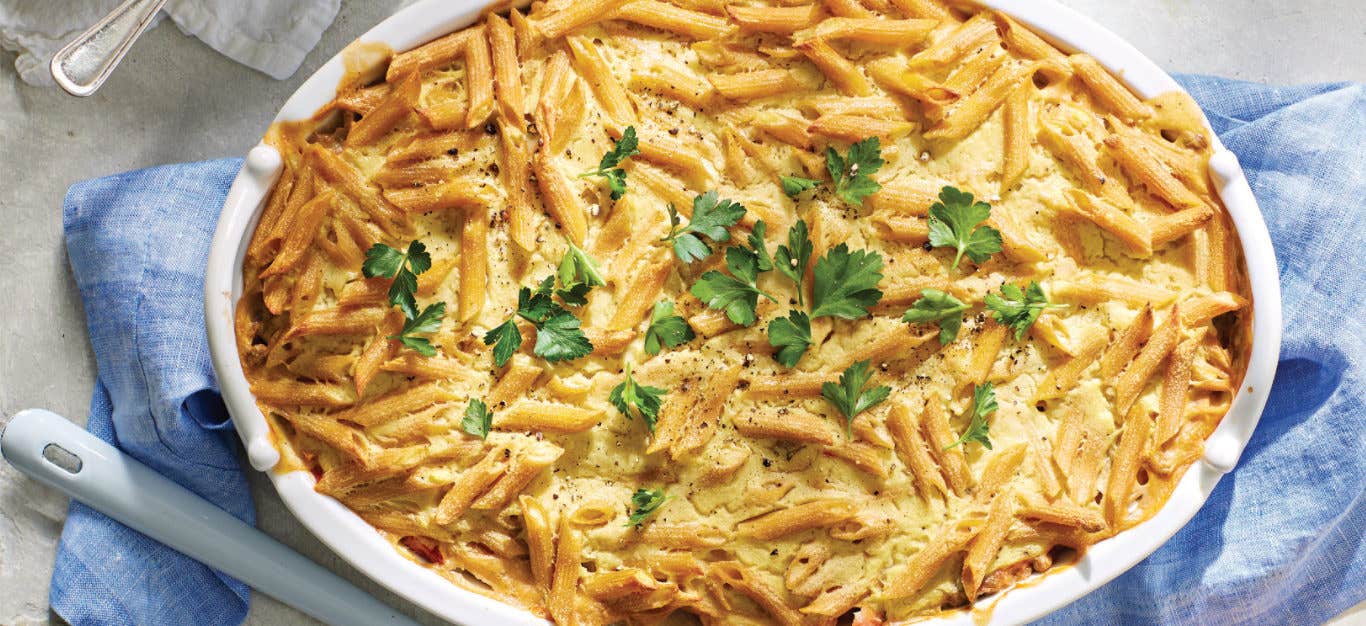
(507, 71)
(753, 85)
(883, 32)
(837, 69)
(674, 19)
(560, 199)
(1017, 136)
(478, 78)
(1131, 381)
(473, 263)
(387, 113)
(1107, 89)
(778, 20)
(546, 416)
(969, 113)
(1124, 471)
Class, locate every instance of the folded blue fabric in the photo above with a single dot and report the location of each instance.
(138, 243)
(1280, 540)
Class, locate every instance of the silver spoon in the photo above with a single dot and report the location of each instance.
(84, 64)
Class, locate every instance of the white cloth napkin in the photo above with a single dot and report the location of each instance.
(272, 36)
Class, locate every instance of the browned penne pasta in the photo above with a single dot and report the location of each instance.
(1017, 137)
(507, 71)
(835, 67)
(388, 113)
(1107, 89)
(780, 20)
(665, 16)
(1131, 380)
(442, 51)
(753, 85)
(479, 81)
(547, 402)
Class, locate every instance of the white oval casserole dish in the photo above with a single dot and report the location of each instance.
(362, 546)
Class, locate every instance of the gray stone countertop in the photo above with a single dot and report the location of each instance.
(176, 100)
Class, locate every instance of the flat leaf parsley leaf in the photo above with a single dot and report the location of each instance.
(644, 399)
(646, 502)
(712, 216)
(937, 306)
(578, 273)
(735, 293)
(954, 223)
(505, 339)
(386, 262)
(983, 404)
(791, 335)
(622, 149)
(478, 419)
(382, 261)
(559, 335)
(1020, 307)
(666, 329)
(853, 175)
(795, 185)
(791, 259)
(426, 322)
(561, 338)
(849, 396)
(845, 283)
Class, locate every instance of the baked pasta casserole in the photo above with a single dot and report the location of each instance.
(672, 311)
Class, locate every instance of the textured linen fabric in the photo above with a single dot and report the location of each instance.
(1279, 541)
(138, 243)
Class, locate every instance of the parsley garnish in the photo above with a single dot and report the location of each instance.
(791, 259)
(578, 273)
(758, 248)
(736, 293)
(954, 224)
(622, 149)
(1020, 307)
(845, 283)
(559, 335)
(936, 306)
(853, 175)
(646, 502)
(505, 339)
(644, 398)
(791, 335)
(850, 397)
(428, 321)
(381, 261)
(385, 262)
(711, 217)
(666, 329)
(983, 404)
(795, 185)
(478, 419)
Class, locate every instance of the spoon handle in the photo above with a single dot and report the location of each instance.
(52, 450)
(84, 64)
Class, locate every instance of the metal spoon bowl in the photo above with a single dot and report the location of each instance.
(83, 65)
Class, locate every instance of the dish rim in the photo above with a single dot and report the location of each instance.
(361, 545)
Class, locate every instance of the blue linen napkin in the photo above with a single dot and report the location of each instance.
(138, 243)
(1279, 541)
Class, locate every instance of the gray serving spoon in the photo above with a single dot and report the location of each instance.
(84, 64)
(53, 451)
